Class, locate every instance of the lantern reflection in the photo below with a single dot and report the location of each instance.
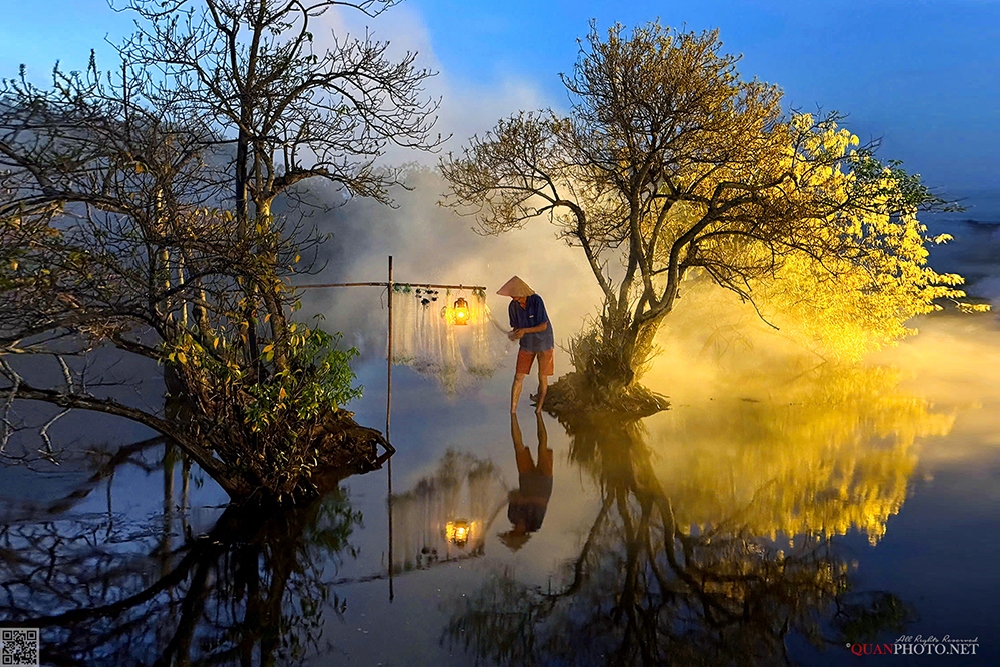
(460, 531)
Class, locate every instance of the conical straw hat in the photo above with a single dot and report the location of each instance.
(514, 540)
(514, 288)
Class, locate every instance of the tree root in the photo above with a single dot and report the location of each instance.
(574, 393)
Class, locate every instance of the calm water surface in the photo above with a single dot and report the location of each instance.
(772, 523)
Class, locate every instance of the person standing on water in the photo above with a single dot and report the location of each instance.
(530, 325)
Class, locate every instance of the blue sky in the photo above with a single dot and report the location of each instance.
(921, 75)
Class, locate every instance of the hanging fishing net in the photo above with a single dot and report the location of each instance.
(447, 334)
(489, 344)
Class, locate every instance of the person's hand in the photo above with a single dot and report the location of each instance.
(515, 334)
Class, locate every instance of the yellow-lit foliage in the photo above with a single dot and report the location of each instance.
(857, 301)
(849, 268)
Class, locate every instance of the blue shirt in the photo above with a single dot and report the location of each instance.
(530, 316)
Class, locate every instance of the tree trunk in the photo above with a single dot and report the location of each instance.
(609, 361)
(640, 347)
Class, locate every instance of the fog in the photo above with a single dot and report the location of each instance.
(711, 343)
(702, 348)
(431, 244)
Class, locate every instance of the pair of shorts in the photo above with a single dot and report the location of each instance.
(529, 472)
(525, 358)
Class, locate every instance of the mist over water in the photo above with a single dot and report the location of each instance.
(888, 458)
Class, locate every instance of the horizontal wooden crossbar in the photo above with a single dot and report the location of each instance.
(317, 286)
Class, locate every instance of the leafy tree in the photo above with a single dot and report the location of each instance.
(136, 211)
(669, 162)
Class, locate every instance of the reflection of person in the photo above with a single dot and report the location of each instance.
(530, 325)
(527, 504)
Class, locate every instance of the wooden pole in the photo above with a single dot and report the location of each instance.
(318, 285)
(388, 365)
(388, 391)
(388, 408)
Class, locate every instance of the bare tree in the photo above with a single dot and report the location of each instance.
(249, 68)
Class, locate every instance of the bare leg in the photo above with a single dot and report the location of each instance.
(515, 391)
(515, 433)
(544, 453)
(543, 436)
(543, 386)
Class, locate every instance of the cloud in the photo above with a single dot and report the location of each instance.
(430, 244)
(467, 107)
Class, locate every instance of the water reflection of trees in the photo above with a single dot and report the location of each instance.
(253, 589)
(723, 544)
(826, 452)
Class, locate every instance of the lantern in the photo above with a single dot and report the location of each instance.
(460, 313)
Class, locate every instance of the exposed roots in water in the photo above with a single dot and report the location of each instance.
(575, 394)
(341, 442)
(341, 448)
(290, 470)
(609, 359)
